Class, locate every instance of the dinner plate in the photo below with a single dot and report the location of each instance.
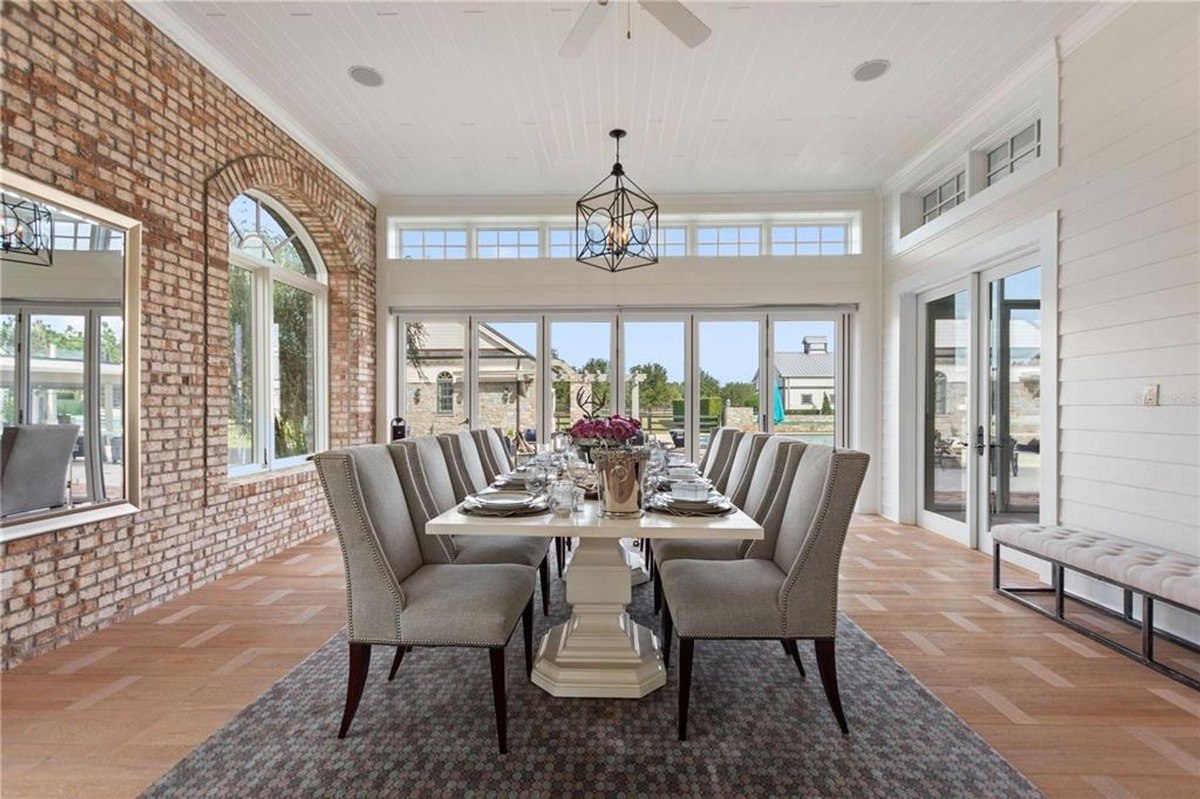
(503, 499)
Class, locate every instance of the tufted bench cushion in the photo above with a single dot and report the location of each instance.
(1163, 573)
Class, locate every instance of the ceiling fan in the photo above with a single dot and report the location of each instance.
(672, 14)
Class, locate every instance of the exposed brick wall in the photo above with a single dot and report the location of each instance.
(99, 103)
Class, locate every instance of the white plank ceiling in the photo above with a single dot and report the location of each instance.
(476, 101)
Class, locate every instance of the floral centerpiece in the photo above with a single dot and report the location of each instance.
(620, 467)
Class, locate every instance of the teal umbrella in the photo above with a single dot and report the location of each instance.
(778, 404)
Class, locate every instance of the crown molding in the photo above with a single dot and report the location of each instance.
(163, 17)
(1089, 25)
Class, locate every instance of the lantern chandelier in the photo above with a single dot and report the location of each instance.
(616, 222)
(27, 231)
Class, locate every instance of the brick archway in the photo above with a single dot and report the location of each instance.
(349, 258)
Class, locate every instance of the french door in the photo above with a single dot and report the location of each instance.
(683, 374)
(980, 425)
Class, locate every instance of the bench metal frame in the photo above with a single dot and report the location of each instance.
(1056, 587)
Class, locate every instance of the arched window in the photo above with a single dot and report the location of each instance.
(445, 392)
(939, 392)
(278, 311)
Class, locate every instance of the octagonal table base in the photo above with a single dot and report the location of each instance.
(600, 651)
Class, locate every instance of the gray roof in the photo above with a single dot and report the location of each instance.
(804, 364)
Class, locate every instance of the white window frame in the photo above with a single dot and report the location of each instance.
(1012, 157)
(264, 274)
(540, 245)
(795, 242)
(663, 244)
(738, 242)
(396, 247)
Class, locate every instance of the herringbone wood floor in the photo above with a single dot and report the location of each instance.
(109, 714)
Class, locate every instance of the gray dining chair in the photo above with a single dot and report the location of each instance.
(721, 445)
(34, 462)
(741, 466)
(397, 598)
(788, 597)
(492, 453)
(773, 474)
(467, 475)
(426, 476)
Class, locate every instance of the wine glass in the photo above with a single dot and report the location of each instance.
(535, 481)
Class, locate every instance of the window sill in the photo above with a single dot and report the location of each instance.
(65, 519)
(246, 485)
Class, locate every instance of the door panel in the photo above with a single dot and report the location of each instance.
(435, 392)
(729, 355)
(581, 354)
(654, 365)
(803, 391)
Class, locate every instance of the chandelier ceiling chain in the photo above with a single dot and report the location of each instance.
(616, 222)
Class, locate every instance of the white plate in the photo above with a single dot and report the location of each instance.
(503, 499)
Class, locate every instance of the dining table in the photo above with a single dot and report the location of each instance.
(599, 651)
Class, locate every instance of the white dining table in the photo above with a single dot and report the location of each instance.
(600, 651)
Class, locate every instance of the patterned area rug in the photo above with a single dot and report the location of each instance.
(756, 729)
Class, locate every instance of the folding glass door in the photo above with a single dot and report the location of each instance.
(654, 354)
(435, 385)
(730, 366)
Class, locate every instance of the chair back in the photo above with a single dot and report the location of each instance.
(379, 545)
(462, 459)
(811, 535)
(778, 487)
(423, 473)
(715, 464)
(34, 460)
(741, 466)
(492, 452)
(760, 486)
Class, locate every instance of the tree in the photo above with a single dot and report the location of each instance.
(655, 390)
(709, 386)
(741, 395)
(826, 407)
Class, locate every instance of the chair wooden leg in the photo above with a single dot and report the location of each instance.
(658, 599)
(497, 657)
(790, 647)
(527, 632)
(360, 662)
(685, 683)
(400, 650)
(544, 573)
(827, 665)
(668, 629)
(560, 551)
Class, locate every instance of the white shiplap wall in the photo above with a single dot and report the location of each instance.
(1129, 281)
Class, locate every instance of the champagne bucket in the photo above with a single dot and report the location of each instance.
(621, 483)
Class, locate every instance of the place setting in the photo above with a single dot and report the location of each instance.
(504, 503)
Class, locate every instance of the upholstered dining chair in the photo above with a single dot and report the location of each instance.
(425, 473)
(492, 453)
(721, 444)
(35, 460)
(788, 597)
(467, 474)
(742, 464)
(397, 598)
(773, 480)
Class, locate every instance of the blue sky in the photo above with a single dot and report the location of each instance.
(728, 349)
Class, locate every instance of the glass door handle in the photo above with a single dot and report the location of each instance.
(979, 445)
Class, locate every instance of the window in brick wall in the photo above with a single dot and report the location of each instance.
(278, 311)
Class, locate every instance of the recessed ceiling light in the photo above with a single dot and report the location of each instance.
(870, 70)
(366, 76)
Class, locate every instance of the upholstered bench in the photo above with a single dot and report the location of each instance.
(1158, 575)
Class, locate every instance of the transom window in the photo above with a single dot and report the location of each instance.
(1014, 153)
(727, 240)
(672, 241)
(562, 242)
(278, 308)
(507, 243)
(440, 244)
(944, 197)
(809, 239)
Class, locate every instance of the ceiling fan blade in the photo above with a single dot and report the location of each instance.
(675, 17)
(585, 28)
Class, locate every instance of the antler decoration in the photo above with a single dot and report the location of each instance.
(590, 401)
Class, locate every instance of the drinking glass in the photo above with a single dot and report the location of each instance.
(562, 497)
(536, 479)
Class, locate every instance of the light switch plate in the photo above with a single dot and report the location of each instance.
(1150, 395)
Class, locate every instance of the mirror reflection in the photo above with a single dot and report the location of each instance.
(62, 345)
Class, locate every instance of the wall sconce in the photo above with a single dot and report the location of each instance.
(417, 397)
(505, 395)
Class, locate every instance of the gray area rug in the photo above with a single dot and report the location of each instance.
(756, 729)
